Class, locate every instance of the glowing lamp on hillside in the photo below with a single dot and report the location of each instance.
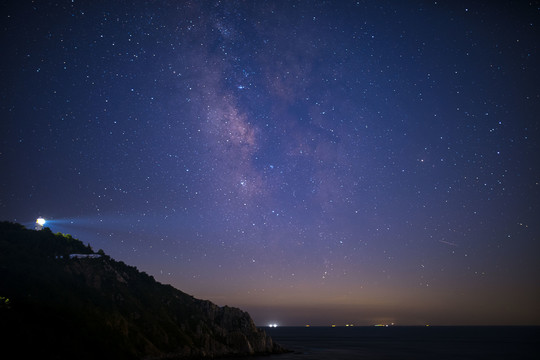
(39, 223)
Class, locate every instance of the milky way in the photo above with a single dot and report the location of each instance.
(310, 162)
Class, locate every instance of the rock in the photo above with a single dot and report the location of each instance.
(96, 307)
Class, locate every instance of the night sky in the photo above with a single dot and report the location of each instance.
(310, 162)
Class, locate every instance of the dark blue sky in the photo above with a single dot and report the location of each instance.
(310, 162)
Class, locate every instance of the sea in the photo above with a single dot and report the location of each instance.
(404, 342)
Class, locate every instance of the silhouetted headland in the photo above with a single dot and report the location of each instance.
(89, 306)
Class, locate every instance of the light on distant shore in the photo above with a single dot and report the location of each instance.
(272, 325)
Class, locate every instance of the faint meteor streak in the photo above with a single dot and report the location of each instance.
(448, 242)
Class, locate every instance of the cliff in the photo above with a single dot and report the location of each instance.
(55, 306)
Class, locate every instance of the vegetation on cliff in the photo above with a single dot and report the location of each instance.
(60, 307)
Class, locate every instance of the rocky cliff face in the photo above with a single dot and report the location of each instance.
(212, 330)
(238, 330)
(99, 307)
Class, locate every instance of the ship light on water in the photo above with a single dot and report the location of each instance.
(273, 325)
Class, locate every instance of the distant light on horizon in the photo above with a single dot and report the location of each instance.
(273, 325)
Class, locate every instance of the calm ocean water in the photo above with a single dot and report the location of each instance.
(399, 342)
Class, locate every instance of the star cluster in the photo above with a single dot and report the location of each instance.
(308, 161)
